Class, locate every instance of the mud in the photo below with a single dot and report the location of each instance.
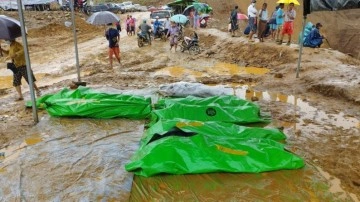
(319, 111)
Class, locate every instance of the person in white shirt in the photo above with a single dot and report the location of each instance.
(252, 13)
(167, 24)
(263, 22)
(288, 28)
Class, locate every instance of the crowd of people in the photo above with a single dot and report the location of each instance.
(171, 29)
(280, 23)
(275, 26)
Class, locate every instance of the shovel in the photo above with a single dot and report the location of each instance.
(327, 43)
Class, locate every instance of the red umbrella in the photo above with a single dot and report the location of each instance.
(242, 16)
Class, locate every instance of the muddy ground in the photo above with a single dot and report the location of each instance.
(325, 132)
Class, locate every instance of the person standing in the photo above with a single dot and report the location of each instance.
(113, 36)
(279, 21)
(196, 19)
(167, 24)
(234, 20)
(314, 39)
(252, 13)
(288, 28)
(18, 66)
(173, 33)
(273, 24)
(263, 22)
(127, 25)
(132, 26)
(118, 26)
(191, 17)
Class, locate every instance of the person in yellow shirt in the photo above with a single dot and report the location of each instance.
(18, 66)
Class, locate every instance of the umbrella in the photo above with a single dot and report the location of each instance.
(179, 18)
(10, 28)
(242, 16)
(202, 7)
(102, 18)
(288, 2)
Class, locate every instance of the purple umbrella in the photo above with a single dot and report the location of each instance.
(10, 28)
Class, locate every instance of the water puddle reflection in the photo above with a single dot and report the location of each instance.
(33, 139)
(219, 69)
(233, 69)
(178, 72)
(6, 81)
(311, 118)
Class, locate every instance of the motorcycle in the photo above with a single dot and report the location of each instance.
(160, 33)
(191, 44)
(181, 33)
(143, 39)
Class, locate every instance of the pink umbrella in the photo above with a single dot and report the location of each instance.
(242, 16)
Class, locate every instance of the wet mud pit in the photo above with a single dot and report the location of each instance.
(84, 159)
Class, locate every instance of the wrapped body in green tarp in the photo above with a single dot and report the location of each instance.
(218, 108)
(85, 102)
(189, 147)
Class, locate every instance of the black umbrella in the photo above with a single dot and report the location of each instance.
(10, 28)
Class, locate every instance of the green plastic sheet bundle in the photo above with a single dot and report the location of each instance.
(84, 102)
(218, 108)
(189, 147)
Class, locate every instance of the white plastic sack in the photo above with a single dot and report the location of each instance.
(183, 89)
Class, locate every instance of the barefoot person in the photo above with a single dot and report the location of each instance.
(262, 22)
(288, 28)
(173, 33)
(18, 66)
(252, 13)
(279, 21)
(234, 20)
(112, 35)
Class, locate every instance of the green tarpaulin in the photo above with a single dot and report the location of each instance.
(182, 147)
(218, 108)
(84, 102)
(160, 128)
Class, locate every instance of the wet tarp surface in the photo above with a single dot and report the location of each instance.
(218, 108)
(285, 185)
(188, 149)
(62, 159)
(332, 5)
(85, 102)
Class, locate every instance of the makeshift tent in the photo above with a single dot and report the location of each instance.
(322, 5)
(179, 5)
(85, 102)
(218, 108)
(200, 7)
(188, 147)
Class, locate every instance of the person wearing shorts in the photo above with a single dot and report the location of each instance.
(252, 13)
(132, 26)
(272, 23)
(279, 21)
(289, 24)
(113, 36)
(18, 66)
(173, 32)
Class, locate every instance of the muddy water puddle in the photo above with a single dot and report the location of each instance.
(6, 81)
(310, 118)
(218, 69)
